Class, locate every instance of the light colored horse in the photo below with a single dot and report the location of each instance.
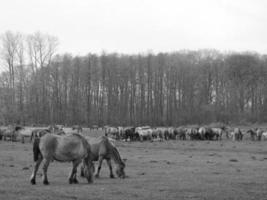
(103, 148)
(144, 132)
(202, 132)
(25, 133)
(70, 148)
(192, 133)
(259, 134)
(264, 135)
(218, 133)
(237, 134)
(112, 131)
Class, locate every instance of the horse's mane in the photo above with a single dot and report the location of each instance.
(114, 150)
(117, 156)
(78, 135)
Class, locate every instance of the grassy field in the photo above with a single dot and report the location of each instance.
(156, 170)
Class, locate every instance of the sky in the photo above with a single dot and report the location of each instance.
(139, 26)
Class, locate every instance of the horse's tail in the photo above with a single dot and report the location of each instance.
(32, 135)
(36, 149)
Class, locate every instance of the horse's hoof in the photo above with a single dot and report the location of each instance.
(33, 182)
(45, 182)
(112, 176)
(90, 181)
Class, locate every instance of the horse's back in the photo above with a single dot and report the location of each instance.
(64, 148)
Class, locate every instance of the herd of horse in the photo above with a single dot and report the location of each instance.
(13, 132)
(71, 145)
(142, 133)
(183, 133)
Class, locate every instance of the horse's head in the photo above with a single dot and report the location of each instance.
(120, 169)
(17, 128)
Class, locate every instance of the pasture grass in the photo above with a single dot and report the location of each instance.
(156, 170)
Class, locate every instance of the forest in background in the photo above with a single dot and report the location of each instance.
(40, 86)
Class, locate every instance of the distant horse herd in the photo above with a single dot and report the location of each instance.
(141, 133)
(147, 133)
(13, 132)
(68, 144)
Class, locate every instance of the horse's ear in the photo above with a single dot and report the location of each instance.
(124, 159)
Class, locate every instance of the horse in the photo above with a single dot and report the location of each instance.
(202, 132)
(37, 133)
(78, 128)
(193, 133)
(113, 132)
(144, 133)
(55, 128)
(102, 149)
(11, 132)
(237, 134)
(264, 135)
(25, 133)
(130, 134)
(218, 132)
(252, 133)
(259, 134)
(2, 128)
(180, 133)
(70, 148)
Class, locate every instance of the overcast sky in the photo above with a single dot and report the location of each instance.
(132, 26)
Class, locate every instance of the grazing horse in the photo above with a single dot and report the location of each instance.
(102, 149)
(70, 148)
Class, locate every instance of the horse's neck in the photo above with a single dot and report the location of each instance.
(116, 156)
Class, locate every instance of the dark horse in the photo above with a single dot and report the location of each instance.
(70, 148)
(102, 149)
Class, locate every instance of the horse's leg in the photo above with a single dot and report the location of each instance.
(82, 171)
(72, 177)
(45, 167)
(100, 160)
(35, 169)
(110, 168)
(88, 169)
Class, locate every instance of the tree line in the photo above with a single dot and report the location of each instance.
(39, 86)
